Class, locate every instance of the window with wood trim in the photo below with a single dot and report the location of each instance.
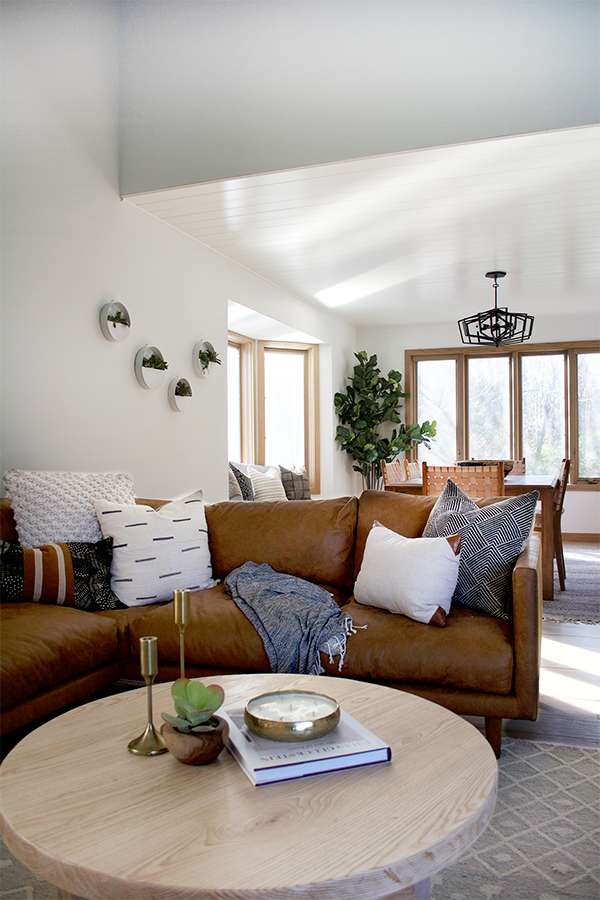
(279, 422)
(540, 402)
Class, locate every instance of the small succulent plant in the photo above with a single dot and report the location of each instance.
(154, 362)
(208, 356)
(195, 703)
(119, 318)
(183, 389)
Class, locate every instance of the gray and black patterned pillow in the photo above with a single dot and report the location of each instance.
(73, 574)
(244, 482)
(295, 483)
(492, 538)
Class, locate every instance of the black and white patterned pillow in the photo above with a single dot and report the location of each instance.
(245, 483)
(492, 538)
(295, 483)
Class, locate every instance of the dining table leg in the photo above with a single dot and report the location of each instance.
(546, 497)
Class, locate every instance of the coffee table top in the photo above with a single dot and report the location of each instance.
(85, 814)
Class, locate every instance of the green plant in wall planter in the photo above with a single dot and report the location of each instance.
(203, 355)
(149, 367)
(119, 318)
(115, 321)
(182, 388)
(370, 401)
(155, 362)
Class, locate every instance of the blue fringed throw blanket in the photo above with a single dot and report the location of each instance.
(294, 618)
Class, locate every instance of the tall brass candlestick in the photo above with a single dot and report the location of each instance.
(151, 742)
(181, 607)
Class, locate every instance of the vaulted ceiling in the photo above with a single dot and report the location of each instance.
(375, 158)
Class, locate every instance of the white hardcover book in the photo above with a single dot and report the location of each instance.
(350, 744)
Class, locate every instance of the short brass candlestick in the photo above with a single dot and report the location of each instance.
(150, 743)
(181, 607)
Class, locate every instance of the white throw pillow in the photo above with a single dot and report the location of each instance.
(57, 507)
(412, 576)
(157, 551)
(267, 485)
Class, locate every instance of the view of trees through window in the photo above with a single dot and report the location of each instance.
(284, 408)
(489, 408)
(436, 401)
(543, 393)
(507, 405)
(588, 406)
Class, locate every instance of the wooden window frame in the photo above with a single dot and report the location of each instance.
(312, 442)
(569, 350)
(246, 346)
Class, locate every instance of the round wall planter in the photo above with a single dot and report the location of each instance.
(150, 379)
(198, 368)
(114, 331)
(176, 402)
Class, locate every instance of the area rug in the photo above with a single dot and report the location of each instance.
(543, 842)
(580, 601)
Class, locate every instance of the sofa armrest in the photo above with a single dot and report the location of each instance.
(527, 626)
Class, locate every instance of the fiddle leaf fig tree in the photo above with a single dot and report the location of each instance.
(370, 401)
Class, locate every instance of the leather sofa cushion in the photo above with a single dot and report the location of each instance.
(313, 539)
(218, 634)
(473, 652)
(43, 646)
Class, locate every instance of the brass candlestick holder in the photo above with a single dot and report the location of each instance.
(151, 742)
(181, 607)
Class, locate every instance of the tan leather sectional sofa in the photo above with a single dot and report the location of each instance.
(477, 665)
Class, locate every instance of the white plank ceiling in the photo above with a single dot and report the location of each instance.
(407, 238)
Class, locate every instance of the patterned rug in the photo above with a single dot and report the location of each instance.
(543, 842)
(580, 601)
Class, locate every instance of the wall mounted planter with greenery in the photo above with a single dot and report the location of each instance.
(149, 367)
(203, 355)
(115, 321)
(180, 394)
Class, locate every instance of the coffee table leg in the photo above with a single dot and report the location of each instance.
(419, 891)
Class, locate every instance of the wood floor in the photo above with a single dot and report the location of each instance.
(569, 688)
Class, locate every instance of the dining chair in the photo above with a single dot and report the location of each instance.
(475, 481)
(393, 472)
(558, 508)
(518, 467)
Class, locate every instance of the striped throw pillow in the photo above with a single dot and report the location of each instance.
(73, 574)
(267, 485)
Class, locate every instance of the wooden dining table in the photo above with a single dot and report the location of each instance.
(514, 485)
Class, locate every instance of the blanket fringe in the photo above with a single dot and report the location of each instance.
(337, 645)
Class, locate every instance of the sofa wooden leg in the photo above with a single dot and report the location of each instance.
(493, 732)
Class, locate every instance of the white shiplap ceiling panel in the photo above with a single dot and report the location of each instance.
(407, 238)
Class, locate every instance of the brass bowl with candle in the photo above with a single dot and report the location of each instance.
(291, 715)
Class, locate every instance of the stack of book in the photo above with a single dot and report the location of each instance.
(349, 745)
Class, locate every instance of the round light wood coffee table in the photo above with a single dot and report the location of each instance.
(85, 814)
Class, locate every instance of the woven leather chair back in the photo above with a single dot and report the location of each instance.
(393, 472)
(475, 481)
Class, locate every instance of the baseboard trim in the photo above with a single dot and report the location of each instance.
(585, 536)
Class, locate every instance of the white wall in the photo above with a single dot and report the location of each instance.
(582, 508)
(70, 400)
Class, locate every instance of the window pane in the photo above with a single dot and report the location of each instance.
(543, 413)
(489, 408)
(284, 408)
(436, 401)
(588, 400)
(234, 404)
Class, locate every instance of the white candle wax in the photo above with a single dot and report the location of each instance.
(293, 707)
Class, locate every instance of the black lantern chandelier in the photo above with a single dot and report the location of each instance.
(496, 326)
